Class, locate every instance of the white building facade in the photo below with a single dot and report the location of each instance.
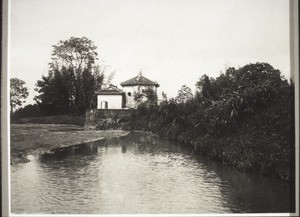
(110, 98)
(137, 85)
(114, 98)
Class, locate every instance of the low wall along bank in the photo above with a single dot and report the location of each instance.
(94, 117)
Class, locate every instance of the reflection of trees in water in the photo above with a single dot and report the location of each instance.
(241, 192)
(146, 143)
(73, 171)
(84, 149)
(76, 156)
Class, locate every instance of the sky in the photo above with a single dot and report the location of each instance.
(173, 42)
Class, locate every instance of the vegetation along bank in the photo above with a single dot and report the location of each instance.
(243, 118)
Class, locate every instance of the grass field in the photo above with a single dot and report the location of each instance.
(61, 119)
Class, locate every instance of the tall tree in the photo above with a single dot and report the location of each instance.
(184, 94)
(75, 53)
(73, 77)
(18, 93)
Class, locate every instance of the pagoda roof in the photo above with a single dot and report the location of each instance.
(111, 90)
(139, 80)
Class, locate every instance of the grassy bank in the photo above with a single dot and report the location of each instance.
(250, 148)
(37, 138)
(62, 119)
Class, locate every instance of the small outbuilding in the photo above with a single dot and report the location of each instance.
(114, 98)
(110, 98)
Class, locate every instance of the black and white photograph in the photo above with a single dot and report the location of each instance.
(151, 107)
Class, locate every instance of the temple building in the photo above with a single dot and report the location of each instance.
(114, 98)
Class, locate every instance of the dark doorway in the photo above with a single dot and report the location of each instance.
(104, 105)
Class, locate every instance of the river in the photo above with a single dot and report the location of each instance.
(139, 173)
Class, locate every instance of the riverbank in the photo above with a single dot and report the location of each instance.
(261, 144)
(37, 138)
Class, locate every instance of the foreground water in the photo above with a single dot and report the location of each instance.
(139, 173)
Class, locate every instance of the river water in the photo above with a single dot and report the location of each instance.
(139, 173)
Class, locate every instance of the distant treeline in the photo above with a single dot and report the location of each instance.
(64, 92)
(244, 118)
(69, 87)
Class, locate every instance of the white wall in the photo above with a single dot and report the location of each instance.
(114, 101)
(130, 103)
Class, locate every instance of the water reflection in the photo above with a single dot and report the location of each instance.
(139, 173)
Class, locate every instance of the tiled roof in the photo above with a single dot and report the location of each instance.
(111, 90)
(139, 80)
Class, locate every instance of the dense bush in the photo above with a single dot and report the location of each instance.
(28, 111)
(243, 118)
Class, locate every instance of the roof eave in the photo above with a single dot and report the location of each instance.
(128, 85)
(98, 93)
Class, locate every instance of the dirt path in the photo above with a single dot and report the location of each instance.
(36, 138)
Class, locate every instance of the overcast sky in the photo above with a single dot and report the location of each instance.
(173, 42)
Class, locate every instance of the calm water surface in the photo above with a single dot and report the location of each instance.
(139, 173)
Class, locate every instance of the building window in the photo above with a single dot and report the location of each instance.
(129, 94)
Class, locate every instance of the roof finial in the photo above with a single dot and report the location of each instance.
(139, 76)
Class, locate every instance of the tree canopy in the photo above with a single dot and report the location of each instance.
(244, 118)
(184, 94)
(75, 53)
(18, 93)
(73, 77)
